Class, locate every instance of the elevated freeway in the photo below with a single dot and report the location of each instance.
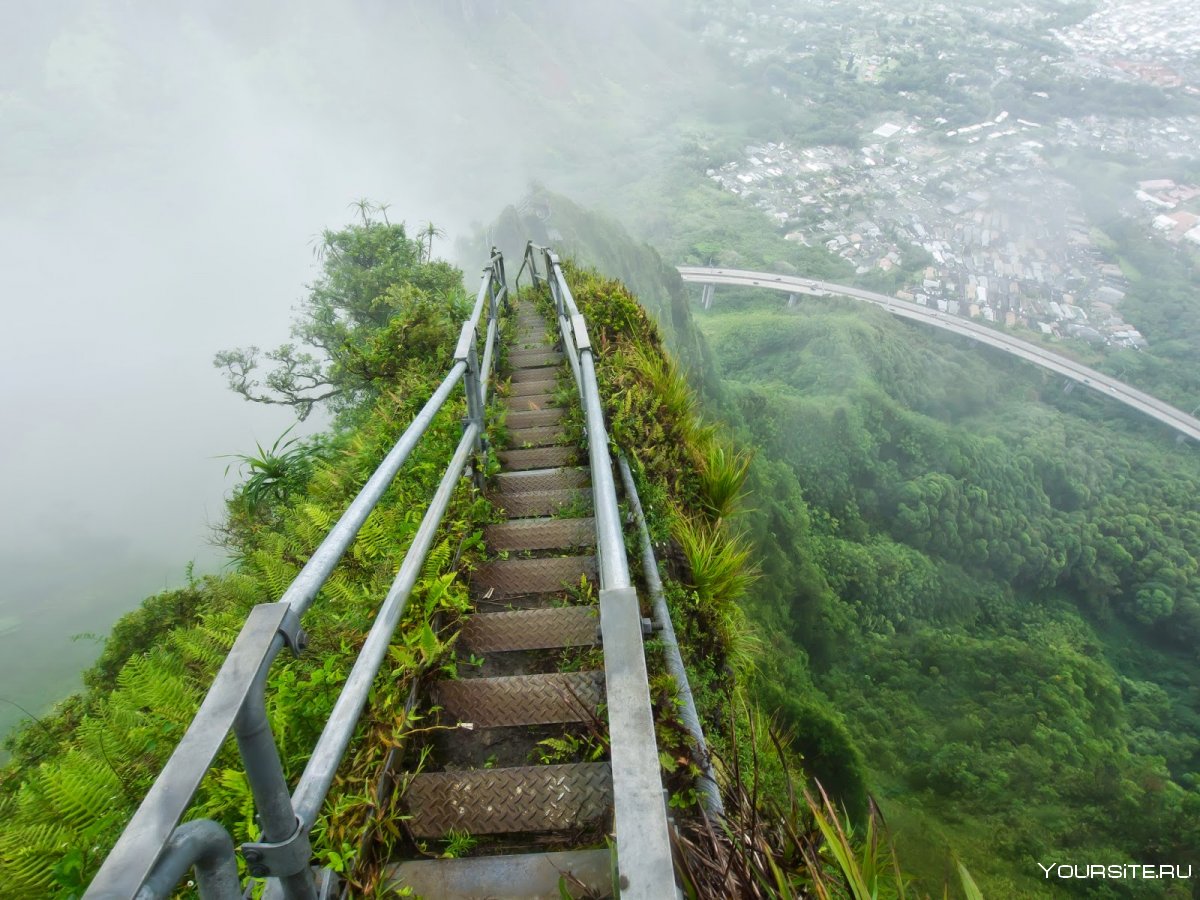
(1168, 415)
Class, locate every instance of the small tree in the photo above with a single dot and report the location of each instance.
(379, 303)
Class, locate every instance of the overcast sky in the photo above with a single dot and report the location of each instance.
(164, 169)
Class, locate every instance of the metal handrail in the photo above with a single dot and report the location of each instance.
(643, 842)
(710, 791)
(154, 848)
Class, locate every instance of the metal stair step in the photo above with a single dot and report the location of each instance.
(530, 359)
(514, 577)
(542, 436)
(549, 699)
(541, 534)
(521, 504)
(544, 479)
(538, 458)
(520, 876)
(534, 418)
(544, 386)
(531, 403)
(505, 801)
(531, 629)
(540, 373)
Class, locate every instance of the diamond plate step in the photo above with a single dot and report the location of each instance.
(520, 876)
(501, 801)
(514, 577)
(541, 534)
(544, 386)
(542, 503)
(543, 479)
(541, 373)
(529, 359)
(549, 699)
(531, 629)
(545, 436)
(534, 418)
(538, 458)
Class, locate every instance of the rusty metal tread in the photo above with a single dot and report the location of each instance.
(513, 577)
(549, 479)
(531, 629)
(541, 436)
(549, 699)
(534, 418)
(538, 458)
(541, 534)
(505, 801)
(521, 504)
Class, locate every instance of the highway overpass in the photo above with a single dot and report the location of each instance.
(1173, 418)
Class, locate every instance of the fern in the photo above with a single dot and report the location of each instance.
(157, 686)
(121, 737)
(376, 539)
(277, 574)
(78, 793)
(206, 646)
(437, 560)
(28, 855)
(342, 589)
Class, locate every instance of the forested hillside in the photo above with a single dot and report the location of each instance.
(981, 593)
(994, 583)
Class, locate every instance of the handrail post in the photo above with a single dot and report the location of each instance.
(499, 266)
(466, 352)
(282, 850)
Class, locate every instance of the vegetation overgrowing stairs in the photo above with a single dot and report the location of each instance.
(532, 688)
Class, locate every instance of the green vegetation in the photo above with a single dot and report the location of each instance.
(961, 560)
(778, 840)
(978, 594)
(77, 774)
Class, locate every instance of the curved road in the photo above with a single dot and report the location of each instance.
(1105, 384)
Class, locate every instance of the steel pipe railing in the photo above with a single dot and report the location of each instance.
(710, 792)
(644, 863)
(154, 850)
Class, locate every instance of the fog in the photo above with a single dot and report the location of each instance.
(163, 173)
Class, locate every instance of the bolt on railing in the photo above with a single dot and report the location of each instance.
(155, 851)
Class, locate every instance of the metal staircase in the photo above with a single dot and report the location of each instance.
(531, 806)
(558, 585)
